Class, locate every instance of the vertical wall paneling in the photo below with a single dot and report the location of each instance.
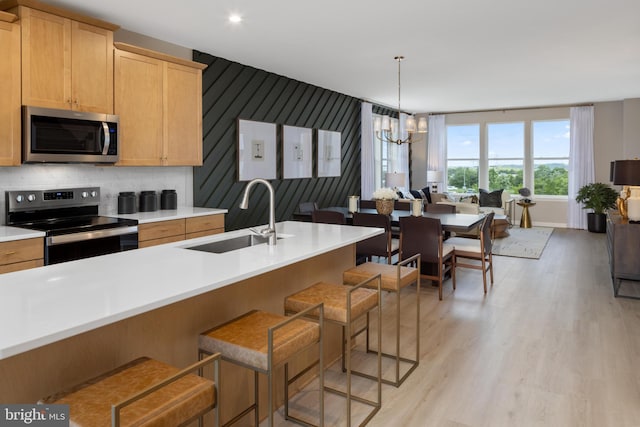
(232, 91)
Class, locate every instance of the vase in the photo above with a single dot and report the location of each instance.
(384, 206)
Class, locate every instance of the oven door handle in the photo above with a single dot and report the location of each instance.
(90, 235)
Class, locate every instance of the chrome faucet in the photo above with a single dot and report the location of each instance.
(270, 231)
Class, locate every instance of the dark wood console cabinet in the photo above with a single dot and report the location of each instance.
(623, 243)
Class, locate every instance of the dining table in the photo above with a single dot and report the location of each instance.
(452, 222)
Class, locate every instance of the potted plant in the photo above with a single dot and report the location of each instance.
(598, 197)
(385, 198)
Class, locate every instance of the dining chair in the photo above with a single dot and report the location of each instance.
(307, 207)
(328, 217)
(367, 204)
(476, 252)
(382, 245)
(423, 235)
(439, 208)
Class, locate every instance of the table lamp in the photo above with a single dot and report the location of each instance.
(627, 174)
(395, 180)
(434, 177)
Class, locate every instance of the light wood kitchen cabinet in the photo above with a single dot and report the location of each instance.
(204, 226)
(157, 233)
(21, 254)
(10, 121)
(66, 64)
(159, 100)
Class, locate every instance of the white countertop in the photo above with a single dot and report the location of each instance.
(8, 234)
(46, 304)
(166, 215)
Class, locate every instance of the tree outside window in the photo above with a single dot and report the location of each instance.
(551, 142)
(463, 158)
(505, 156)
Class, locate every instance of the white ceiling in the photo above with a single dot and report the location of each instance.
(460, 54)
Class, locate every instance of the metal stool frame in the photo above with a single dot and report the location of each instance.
(346, 358)
(215, 358)
(415, 259)
(269, 373)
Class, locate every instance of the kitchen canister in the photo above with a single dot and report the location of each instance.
(148, 201)
(126, 202)
(168, 200)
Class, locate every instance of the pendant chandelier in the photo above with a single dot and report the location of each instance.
(384, 128)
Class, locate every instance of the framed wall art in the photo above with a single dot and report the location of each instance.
(256, 150)
(297, 149)
(329, 152)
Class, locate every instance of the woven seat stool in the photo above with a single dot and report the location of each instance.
(263, 341)
(394, 278)
(344, 305)
(144, 392)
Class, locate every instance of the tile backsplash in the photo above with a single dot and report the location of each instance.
(110, 179)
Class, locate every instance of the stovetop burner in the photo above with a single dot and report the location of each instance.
(77, 224)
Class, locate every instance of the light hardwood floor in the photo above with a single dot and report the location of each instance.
(548, 345)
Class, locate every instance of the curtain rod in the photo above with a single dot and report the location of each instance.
(513, 109)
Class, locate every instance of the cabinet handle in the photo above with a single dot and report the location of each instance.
(10, 253)
(69, 101)
(76, 102)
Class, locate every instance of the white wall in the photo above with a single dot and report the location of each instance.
(110, 179)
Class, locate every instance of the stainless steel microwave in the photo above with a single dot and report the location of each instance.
(65, 136)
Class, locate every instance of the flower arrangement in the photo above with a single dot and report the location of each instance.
(385, 193)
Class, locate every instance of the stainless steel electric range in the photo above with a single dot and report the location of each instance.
(69, 217)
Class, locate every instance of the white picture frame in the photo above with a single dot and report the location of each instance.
(297, 152)
(329, 153)
(256, 150)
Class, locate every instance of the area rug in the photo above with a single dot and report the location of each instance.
(523, 242)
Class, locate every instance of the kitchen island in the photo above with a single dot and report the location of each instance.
(64, 323)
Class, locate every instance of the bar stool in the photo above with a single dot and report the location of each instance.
(394, 279)
(344, 305)
(142, 392)
(262, 342)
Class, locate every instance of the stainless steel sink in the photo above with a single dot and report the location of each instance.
(233, 244)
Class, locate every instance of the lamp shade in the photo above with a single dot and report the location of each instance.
(395, 179)
(626, 172)
(410, 124)
(434, 176)
(422, 125)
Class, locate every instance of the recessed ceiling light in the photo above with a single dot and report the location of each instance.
(235, 18)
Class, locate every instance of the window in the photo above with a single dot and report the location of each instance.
(463, 158)
(509, 149)
(505, 156)
(384, 155)
(551, 157)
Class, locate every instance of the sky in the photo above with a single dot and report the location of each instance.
(506, 140)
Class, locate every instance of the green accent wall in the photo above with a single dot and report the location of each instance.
(231, 91)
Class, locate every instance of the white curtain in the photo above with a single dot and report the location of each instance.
(437, 147)
(401, 158)
(367, 163)
(581, 167)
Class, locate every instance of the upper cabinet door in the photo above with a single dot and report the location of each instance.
(91, 68)
(183, 115)
(138, 102)
(10, 90)
(66, 64)
(46, 59)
